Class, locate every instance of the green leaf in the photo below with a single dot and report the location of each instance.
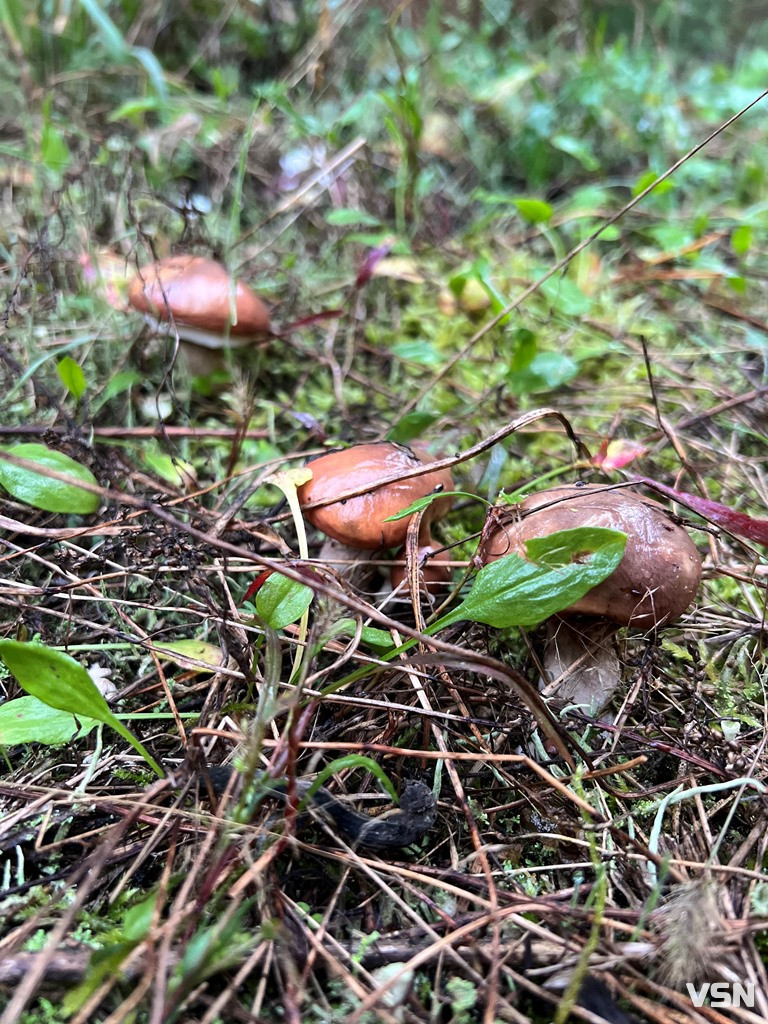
(741, 239)
(122, 381)
(579, 149)
(534, 211)
(136, 105)
(376, 637)
(647, 179)
(61, 682)
(54, 153)
(281, 601)
(514, 592)
(42, 491)
(531, 371)
(72, 377)
(526, 347)
(185, 652)
(566, 297)
(369, 635)
(348, 762)
(137, 919)
(545, 372)
(28, 720)
(345, 218)
(412, 425)
(737, 284)
(176, 471)
(417, 350)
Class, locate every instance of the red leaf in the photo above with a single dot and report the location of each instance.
(617, 454)
(721, 515)
(257, 584)
(373, 257)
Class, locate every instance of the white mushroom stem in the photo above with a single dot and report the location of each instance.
(580, 662)
(202, 351)
(197, 336)
(352, 564)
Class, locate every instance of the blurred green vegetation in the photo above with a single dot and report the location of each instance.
(486, 140)
(476, 143)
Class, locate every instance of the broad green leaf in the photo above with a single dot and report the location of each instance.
(168, 467)
(579, 149)
(741, 239)
(534, 211)
(526, 347)
(412, 425)
(647, 179)
(514, 592)
(29, 720)
(531, 371)
(566, 297)
(137, 919)
(104, 963)
(669, 236)
(737, 284)
(54, 152)
(134, 106)
(61, 682)
(346, 217)
(121, 382)
(281, 601)
(43, 492)
(417, 350)
(72, 377)
(185, 652)
(545, 372)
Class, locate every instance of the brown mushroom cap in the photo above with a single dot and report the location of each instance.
(656, 580)
(197, 292)
(359, 522)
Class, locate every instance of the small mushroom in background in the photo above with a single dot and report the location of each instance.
(211, 311)
(358, 524)
(655, 582)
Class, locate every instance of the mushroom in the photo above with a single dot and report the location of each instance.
(211, 310)
(433, 573)
(359, 523)
(655, 582)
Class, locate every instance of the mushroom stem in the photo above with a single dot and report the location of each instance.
(197, 336)
(352, 564)
(202, 352)
(580, 662)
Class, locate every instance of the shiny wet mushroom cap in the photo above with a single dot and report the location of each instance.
(659, 575)
(359, 522)
(655, 582)
(198, 293)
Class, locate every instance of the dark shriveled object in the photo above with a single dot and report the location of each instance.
(408, 824)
